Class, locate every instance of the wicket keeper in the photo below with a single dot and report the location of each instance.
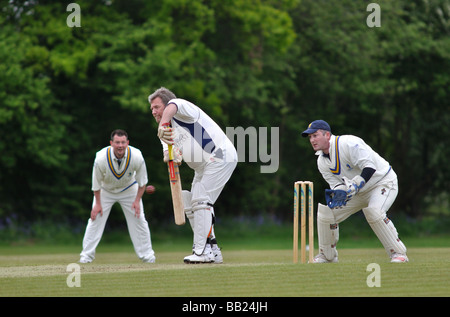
(206, 149)
(359, 178)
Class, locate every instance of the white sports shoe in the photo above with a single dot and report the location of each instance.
(85, 260)
(399, 258)
(198, 259)
(218, 259)
(151, 259)
(320, 258)
(206, 257)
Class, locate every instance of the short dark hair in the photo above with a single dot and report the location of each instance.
(118, 132)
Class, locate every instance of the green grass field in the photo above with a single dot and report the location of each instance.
(42, 271)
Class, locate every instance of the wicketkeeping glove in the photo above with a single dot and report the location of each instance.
(335, 198)
(354, 185)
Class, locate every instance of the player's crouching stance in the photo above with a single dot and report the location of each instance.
(206, 149)
(119, 176)
(359, 178)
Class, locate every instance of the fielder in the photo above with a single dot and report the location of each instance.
(119, 176)
(206, 149)
(359, 178)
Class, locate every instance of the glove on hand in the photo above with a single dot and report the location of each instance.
(335, 198)
(177, 155)
(166, 133)
(354, 185)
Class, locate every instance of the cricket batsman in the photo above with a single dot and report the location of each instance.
(206, 149)
(359, 178)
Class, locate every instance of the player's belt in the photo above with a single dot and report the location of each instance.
(111, 165)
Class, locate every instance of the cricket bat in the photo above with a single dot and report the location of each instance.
(175, 187)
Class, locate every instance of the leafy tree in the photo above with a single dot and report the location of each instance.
(258, 63)
(33, 147)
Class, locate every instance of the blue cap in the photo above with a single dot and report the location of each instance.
(316, 125)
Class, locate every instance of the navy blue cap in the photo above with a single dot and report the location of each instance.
(314, 126)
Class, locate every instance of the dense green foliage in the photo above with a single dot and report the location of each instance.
(258, 63)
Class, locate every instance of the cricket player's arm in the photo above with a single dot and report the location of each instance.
(97, 208)
(165, 131)
(170, 110)
(360, 156)
(136, 206)
(367, 173)
(97, 178)
(141, 179)
(354, 185)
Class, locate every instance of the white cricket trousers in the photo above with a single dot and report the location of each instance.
(207, 185)
(137, 227)
(374, 203)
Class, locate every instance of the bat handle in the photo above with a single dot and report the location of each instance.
(170, 152)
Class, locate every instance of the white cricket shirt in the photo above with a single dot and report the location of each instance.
(115, 178)
(348, 156)
(198, 137)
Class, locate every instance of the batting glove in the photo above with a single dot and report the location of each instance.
(166, 133)
(177, 156)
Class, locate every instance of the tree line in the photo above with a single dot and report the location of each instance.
(247, 63)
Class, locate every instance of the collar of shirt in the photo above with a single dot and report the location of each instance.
(124, 157)
(121, 160)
